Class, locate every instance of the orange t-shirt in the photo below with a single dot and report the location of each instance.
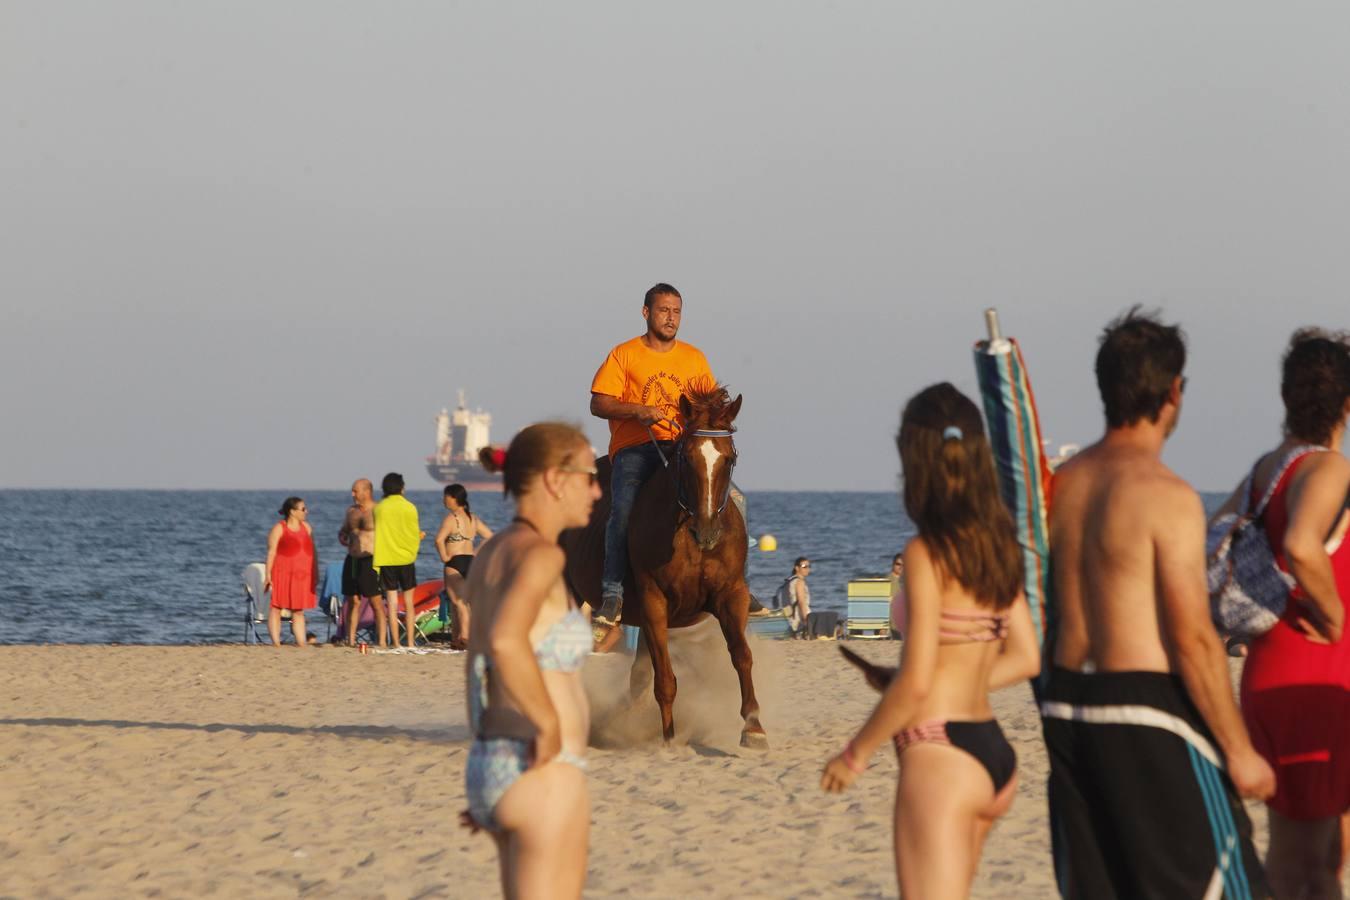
(635, 373)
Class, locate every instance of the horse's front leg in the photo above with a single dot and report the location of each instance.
(732, 608)
(654, 635)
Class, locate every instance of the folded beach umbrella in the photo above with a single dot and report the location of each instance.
(1023, 470)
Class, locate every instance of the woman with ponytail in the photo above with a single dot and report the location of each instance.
(454, 543)
(525, 778)
(969, 632)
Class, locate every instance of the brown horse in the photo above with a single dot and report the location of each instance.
(686, 552)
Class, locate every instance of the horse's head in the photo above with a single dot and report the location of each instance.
(705, 458)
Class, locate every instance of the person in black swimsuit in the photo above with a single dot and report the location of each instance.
(969, 632)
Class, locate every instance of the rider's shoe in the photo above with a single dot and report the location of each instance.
(611, 610)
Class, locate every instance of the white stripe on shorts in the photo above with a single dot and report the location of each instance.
(1146, 716)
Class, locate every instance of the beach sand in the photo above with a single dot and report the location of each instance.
(244, 771)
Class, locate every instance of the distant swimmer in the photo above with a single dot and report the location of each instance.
(638, 389)
(360, 584)
(970, 633)
(1148, 753)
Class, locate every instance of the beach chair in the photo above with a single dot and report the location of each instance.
(330, 594)
(257, 603)
(869, 608)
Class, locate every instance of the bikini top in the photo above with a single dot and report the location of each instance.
(457, 537)
(978, 627)
(564, 648)
(566, 644)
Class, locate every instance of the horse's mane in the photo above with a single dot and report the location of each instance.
(708, 401)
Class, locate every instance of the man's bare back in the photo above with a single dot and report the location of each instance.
(1126, 533)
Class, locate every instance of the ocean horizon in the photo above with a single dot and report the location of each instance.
(161, 566)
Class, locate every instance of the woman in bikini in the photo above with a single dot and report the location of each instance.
(969, 632)
(454, 543)
(525, 777)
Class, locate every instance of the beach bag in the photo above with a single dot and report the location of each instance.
(1248, 590)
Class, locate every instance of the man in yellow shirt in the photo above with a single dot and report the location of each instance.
(638, 389)
(398, 537)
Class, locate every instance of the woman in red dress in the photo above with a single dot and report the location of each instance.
(1296, 684)
(292, 570)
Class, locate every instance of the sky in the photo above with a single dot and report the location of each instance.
(261, 245)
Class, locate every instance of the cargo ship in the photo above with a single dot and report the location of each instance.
(459, 437)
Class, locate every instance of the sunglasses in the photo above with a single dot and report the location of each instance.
(592, 471)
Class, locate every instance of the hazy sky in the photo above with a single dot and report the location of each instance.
(261, 244)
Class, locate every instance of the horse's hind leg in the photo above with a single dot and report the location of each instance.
(732, 614)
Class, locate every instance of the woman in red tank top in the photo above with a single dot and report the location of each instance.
(1296, 683)
(292, 570)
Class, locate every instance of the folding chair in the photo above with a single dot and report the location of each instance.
(330, 594)
(257, 603)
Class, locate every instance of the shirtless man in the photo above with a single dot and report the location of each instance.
(359, 583)
(1145, 740)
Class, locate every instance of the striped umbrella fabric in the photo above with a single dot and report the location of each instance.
(1023, 469)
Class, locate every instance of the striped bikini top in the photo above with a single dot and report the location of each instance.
(976, 627)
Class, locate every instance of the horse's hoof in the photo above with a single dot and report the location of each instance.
(754, 740)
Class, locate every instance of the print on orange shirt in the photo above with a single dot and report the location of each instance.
(634, 373)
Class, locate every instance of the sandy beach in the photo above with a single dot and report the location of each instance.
(243, 771)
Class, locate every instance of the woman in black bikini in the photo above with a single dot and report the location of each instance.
(454, 543)
(969, 632)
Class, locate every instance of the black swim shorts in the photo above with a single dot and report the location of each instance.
(399, 578)
(358, 577)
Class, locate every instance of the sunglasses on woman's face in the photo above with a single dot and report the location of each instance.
(592, 471)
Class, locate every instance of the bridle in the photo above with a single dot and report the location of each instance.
(679, 465)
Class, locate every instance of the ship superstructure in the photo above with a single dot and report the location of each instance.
(459, 437)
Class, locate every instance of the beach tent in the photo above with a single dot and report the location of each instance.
(1023, 470)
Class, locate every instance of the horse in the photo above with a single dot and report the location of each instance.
(686, 551)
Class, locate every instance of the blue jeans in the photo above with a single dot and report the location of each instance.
(631, 466)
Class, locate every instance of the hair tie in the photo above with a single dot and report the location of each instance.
(499, 458)
(952, 433)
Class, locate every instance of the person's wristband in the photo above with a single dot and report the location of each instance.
(851, 761)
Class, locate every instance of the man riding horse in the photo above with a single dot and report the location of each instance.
(638, 389)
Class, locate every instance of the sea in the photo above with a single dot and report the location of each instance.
(164, 567)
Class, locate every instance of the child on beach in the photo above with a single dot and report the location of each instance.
(969, 632)
(528, 639)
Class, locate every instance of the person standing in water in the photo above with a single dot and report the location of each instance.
(525, 778)
(970, 632)
(454, 543)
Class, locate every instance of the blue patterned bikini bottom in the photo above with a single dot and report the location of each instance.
(494, 765)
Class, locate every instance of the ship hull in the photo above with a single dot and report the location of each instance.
(470, 474)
